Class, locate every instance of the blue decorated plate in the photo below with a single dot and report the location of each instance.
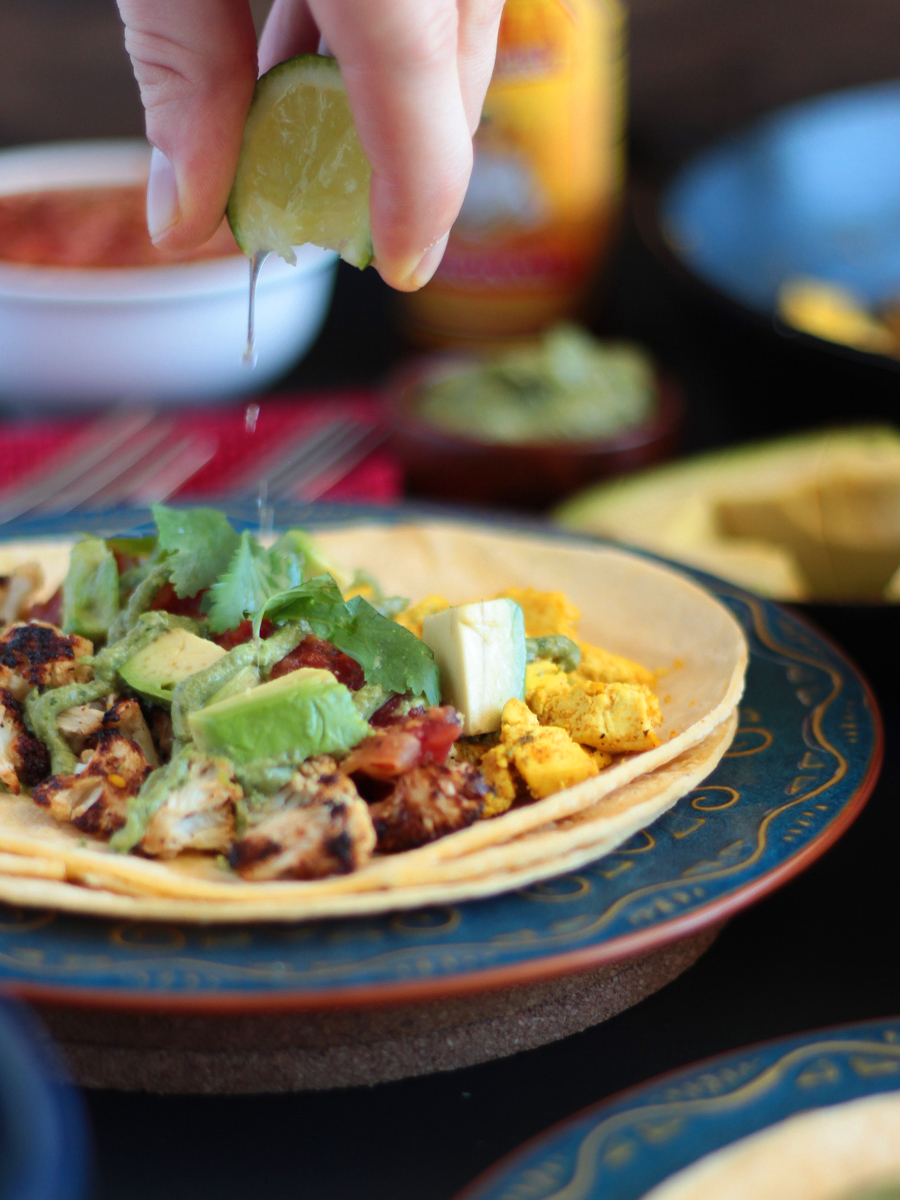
(620, 1149)
(811, 190)
(803, 763)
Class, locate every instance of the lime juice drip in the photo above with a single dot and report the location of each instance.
(265, 510)
(256, 263)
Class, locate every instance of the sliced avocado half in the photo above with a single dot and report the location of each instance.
(815, 515)
(158, 669)
(294, 717)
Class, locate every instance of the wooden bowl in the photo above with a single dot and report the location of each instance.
(448, 466)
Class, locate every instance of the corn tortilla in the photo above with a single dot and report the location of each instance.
(629, 606)
(826, 1154)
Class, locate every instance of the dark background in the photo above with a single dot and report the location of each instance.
(824, 949)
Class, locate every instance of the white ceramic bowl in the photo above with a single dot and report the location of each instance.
(71, 336)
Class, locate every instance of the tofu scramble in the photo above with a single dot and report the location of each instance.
(194, 691)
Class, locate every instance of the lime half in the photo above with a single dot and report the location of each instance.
(301, 176)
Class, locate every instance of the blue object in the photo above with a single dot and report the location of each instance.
(43, 1135)
(620, 1149)
(812, 190)
(804, 760)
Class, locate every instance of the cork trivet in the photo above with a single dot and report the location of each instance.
(307, 1051)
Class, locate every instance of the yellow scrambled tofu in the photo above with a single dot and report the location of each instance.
(545, 613)
(413, 618)
(618, 718)
(599, 666)
(545, 757)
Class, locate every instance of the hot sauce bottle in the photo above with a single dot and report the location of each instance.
(546, 185)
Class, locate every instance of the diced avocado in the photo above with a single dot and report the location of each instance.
(480, 650)
(298, 715)
(158, 669)
(315, 559)
(242, 681)
(90, 589)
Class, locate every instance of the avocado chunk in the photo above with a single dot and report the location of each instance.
(294, 717)
(158, 669)
(812, 516)
(242, 681)
(480, 650)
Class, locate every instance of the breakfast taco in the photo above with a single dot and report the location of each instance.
(199, 725)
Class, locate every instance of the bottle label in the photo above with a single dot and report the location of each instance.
(547, 174)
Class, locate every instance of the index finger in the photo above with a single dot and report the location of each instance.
(398, 59)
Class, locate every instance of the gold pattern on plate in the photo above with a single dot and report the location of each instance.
(614, 1141)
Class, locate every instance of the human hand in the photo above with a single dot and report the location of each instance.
(416, 72)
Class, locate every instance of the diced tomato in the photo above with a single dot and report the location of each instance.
(48, 610)
(316, 652)
(124, 562)
(166, 600)
(387, 714)
(243, 633)
(437, 729)
(417, 739)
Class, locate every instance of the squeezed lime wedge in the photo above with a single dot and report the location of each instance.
(301, 176)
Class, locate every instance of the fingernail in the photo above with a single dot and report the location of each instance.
(163, 209)
(430, 262)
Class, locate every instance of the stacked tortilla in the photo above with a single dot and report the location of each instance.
(629, 606)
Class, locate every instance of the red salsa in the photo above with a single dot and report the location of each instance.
(102, 227)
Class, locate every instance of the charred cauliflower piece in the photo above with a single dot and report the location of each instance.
(79, 724)
(126, 718)
(427, 803)
(198, 810)
(35, 654)
(95, 797)
(323, 828)
(23, 758)
(17, 590)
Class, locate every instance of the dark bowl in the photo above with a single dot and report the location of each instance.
(808, 190)
(448, 466)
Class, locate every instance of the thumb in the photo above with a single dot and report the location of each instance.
(195, 63)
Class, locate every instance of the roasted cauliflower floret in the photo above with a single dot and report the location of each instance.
(427, 803)
(17, 590)
(600, 666)
(314, 782)
(311, 840)
(126, 717)
(95, 797)
(197, 812)
(35, 654)
(413, 618)
(545, 757)
(23, 758)
(617, 718)
(80, 723)
(545, 612)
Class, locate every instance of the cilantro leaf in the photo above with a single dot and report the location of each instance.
(253, 576)
(199, 543)
(388, 654)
